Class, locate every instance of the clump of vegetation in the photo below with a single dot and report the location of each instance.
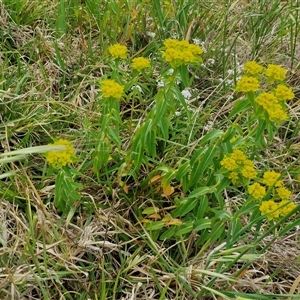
(149, 157)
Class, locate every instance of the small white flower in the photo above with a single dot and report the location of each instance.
(230, 72)
(151, 34)
(170, 72)
(138, 87)
(228, 81)
(197, 42)
(208, 126)
(211, 61)
(160, 84)
(239, 69)
(186, 94)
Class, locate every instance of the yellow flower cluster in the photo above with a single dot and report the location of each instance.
(286, 207)
(272, 106)
(63, 157)
(110, 88)
(238, 164)
(253, 68)
(181, 52)
(283, 193)
(140, 63)
(269, 208)
(118, 51)
(247, 84)
(273, 100)
(266, 100)
(279, 205)
(275, 210)
(283, 93)
(256, 190)
(271, 178)
(275, 73)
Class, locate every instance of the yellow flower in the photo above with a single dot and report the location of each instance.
(276, 113)
(234, 177)
(285, 207)
(271, 178)
(282, 92)
(229, 163)
(252, 68)
(247, 84)
(266, 100)
(239, 156)
(140, 63)
(117, 51)
(63, 157)
(249, 163)
(256, 190)
(275, 72)
(110, 88)
(249, 172)
(270, 208)
(172, 43)
(283, 193)
(181, 52)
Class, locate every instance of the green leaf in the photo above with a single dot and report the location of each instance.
(164, 125)
(154, 225)
(61, 22)
(101, 155)
(112, 134)
(197, 155)
(215, 134)
(168, 233)
(222, 185)
(183, 169)
(291, 224)
(59, 60)
(201, 191)
(11, 159)
(151, 143)
(221, 214)
(217, 230)
(186, 207)
(202, 224)
(184, 229)
(65, 192)
(184, 74)
(150, 210)
(240, 106)
(202, 208)
(201, 164)
(159, 108)
(168, 177)
(259, 136)
(181, 99)
(205, 234)
(145, 130)
(137, 155)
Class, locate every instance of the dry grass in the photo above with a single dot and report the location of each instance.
(103, 249)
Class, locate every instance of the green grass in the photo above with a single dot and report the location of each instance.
(101, 227)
